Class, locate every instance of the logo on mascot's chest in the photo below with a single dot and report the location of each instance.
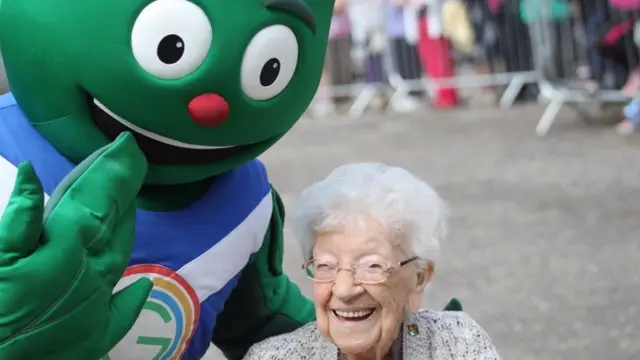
(168, 320)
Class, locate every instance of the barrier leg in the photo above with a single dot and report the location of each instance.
(587, 114)
(362, 102)
(549, 116)
(397, 93)
(398, 103)
(430, 88)
(511, 92)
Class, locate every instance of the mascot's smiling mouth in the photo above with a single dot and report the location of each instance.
(159, 149)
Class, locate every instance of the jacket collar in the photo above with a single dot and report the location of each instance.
(324, 349)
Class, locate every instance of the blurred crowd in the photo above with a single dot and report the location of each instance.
(592, 42)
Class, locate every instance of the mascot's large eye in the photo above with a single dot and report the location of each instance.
(269, 62)
(171, 38)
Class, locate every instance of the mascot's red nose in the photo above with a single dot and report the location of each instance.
(209, 109)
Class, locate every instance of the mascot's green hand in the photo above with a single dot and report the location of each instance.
(57, 275)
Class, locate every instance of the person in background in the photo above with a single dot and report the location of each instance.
(486, 45)
(338, 66)
(370, 46)
(609, 39)
(435, 51)
(555, 16)
(632, 85)
(631, 122)
(514, 42)
(466, 25)
(402, 33)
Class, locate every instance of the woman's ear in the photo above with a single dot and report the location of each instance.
(424, 277)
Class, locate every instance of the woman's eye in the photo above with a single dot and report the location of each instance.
(372, 266)
(325, 267)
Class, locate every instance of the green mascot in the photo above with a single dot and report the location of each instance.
(136, 222)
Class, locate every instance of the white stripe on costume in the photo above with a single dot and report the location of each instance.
(211, 271)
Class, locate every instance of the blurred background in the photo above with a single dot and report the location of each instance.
(523, 115)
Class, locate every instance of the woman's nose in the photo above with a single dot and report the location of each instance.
(345, 286)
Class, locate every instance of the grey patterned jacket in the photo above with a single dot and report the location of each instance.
(441, 335)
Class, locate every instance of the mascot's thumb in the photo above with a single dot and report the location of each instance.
(126, 306)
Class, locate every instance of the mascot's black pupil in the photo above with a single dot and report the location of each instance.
(170, 49)
(270, 72)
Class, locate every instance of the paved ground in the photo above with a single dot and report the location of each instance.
(545, 243)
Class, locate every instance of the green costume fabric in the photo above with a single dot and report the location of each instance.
(95, 204)
(203, 86)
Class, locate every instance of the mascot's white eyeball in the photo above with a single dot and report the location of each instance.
(171, 38)
(269, 62)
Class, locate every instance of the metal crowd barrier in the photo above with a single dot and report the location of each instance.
(560, 52)
(587, 58)
(499, 58)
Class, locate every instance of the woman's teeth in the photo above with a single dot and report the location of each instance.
(354, 315)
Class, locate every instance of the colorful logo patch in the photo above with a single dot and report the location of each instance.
(168, 320)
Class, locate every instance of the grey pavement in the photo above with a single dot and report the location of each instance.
(544, 250)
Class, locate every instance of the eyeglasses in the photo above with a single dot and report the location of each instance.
(364, 273)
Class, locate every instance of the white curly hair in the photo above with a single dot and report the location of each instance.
(403, 204)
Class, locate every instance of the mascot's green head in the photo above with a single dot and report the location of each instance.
(204, 85)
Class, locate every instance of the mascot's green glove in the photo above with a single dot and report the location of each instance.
(57, 275)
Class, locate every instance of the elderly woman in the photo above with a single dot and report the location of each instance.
(371, 235)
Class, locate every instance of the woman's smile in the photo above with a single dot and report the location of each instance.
(353, 316)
